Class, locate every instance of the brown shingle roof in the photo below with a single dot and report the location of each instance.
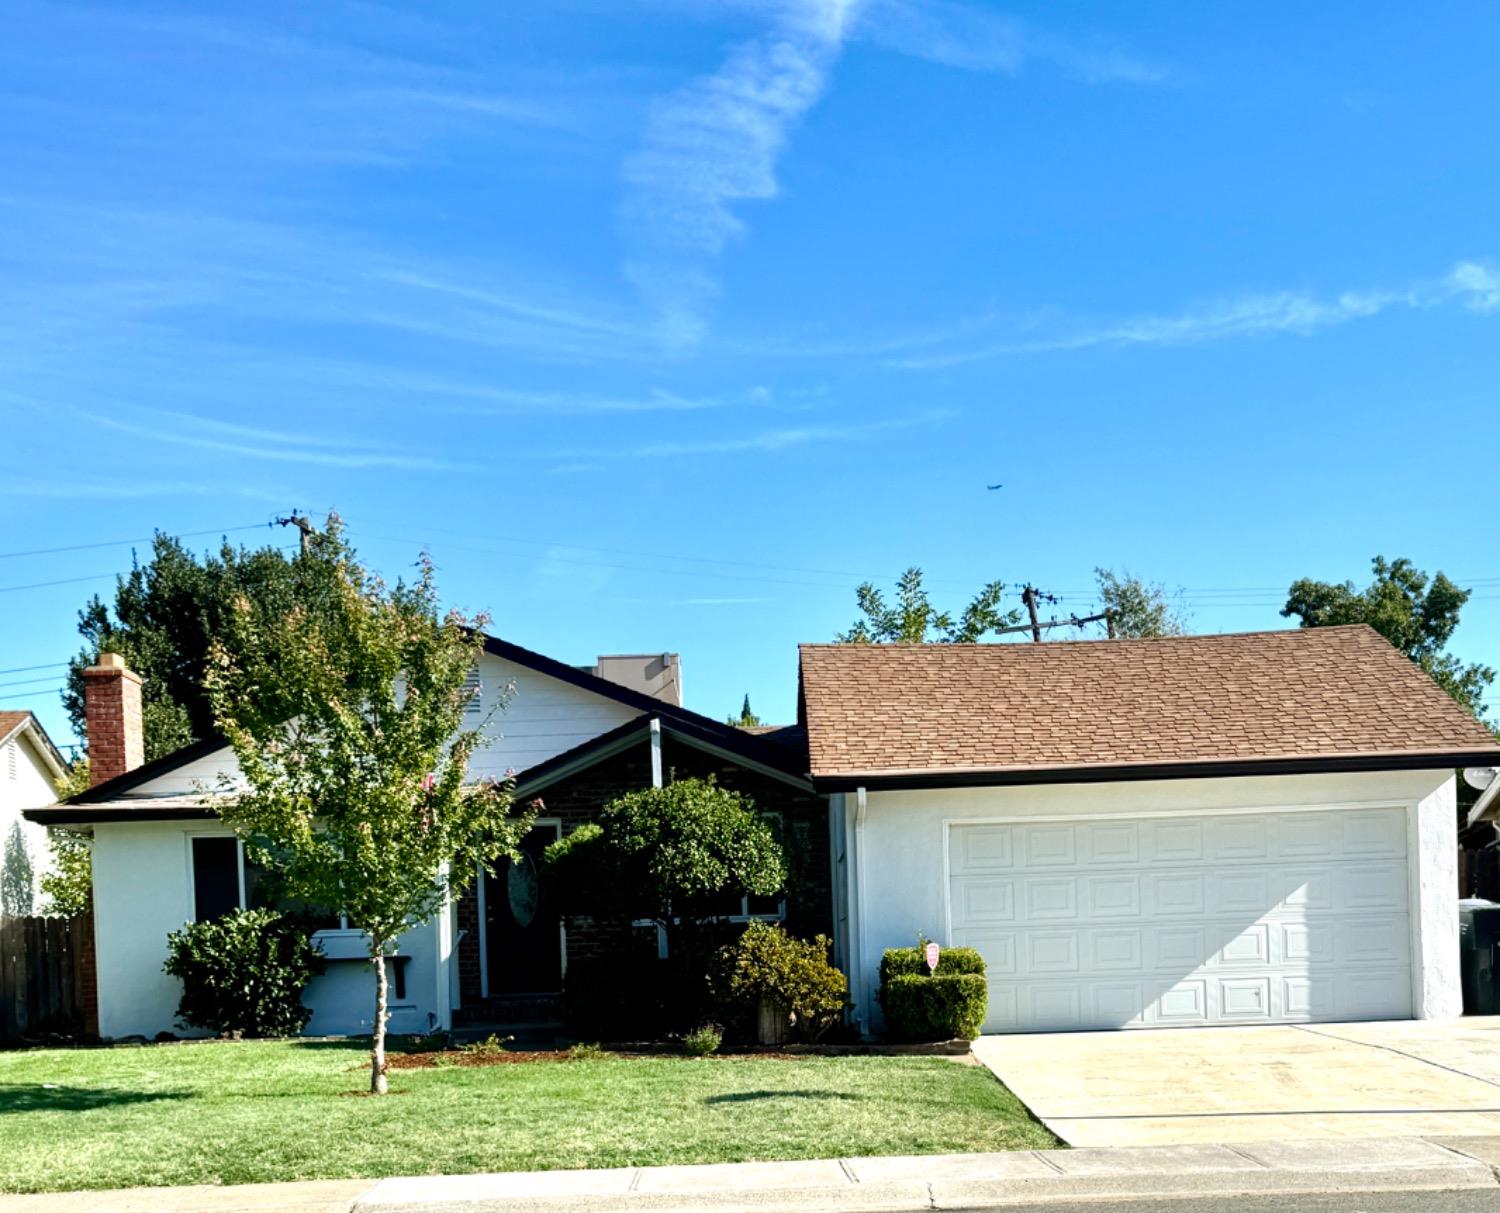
(11, 721)
(1300, 694)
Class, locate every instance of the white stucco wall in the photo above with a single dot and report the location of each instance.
(29, 787)
(143, 873)
(897, 864)
(143, 889)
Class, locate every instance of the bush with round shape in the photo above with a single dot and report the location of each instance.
(949, 1004)
(243, 974)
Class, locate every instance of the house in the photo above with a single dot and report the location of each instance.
(30, 768)
(161, 857)
(1238, 829)
(1190, 831)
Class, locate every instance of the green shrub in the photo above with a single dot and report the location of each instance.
(700, 1042)
(767, 963)
(243, 974)
(947, 1005)
(586, 1051)
(913, 961)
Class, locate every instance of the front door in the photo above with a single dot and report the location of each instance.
(523, 933)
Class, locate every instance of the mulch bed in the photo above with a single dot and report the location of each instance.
(457, 1057)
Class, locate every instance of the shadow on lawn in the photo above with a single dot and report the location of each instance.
(45, 1097)
(754, 1096)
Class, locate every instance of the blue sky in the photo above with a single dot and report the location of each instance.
(662, 324)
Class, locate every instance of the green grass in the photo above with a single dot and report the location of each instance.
(259, 1111)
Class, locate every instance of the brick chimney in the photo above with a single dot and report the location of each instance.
(112, 706)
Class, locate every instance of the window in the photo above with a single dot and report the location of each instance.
(225, 878)
(217, 878)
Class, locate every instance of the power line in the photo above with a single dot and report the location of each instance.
(26, 682)
(26, 669)
(32, 694)
(40, 585)
(114, 543)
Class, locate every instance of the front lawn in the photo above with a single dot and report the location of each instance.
(258, 1111)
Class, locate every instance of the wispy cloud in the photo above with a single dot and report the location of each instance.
(976, 38)
(1472, 285)
(714, 144)
(163, 427)
(761, 441)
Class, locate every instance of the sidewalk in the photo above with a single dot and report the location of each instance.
(924, 1182)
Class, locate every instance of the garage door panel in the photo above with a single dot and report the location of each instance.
(1175, 841)
(1183, 1003)
(1377, 941)
(1251, 948)
(1050, 898)
(991, 849)
(1049, 846)
(1112, 844)
(1231, 838)
(1164, 921)
(984, 900)
(1381, 832)
(1237, 891)
(1373, 886)
(1114, 897)
(999, 949)
(1174, 894)
(1115, 950)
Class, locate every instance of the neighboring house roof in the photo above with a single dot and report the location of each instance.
(112, 799)
(1336, 698)
(12, 724)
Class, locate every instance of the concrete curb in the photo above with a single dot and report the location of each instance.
(956, 1181)
(851, 1185)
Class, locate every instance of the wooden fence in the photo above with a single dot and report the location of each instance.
(43, 977)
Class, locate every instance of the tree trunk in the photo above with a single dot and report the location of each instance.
(377, 1048)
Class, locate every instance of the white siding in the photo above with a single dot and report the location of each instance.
(30, 788)
(901, 854)
(531, 717)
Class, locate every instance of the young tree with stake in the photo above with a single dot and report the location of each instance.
(346, 708)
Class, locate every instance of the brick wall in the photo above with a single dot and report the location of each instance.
(112, 708)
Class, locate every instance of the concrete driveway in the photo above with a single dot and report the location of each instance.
(1412, 1078)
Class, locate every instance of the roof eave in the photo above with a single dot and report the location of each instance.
(843, 781)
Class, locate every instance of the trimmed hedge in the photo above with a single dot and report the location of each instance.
(913, 961)
(947, 1005)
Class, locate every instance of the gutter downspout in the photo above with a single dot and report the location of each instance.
(656, 752)
(859, 962)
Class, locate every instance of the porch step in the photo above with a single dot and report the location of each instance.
(512, 1010)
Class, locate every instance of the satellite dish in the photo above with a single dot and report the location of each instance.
(1479, 778)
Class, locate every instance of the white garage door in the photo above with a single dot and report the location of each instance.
(1177, 921)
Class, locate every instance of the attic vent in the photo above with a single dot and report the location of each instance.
(474, 688)
(10, 760)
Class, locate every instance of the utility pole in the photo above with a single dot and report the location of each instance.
(303, 524)
(1028, 596)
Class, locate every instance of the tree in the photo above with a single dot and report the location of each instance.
(1138, 609)
(746, 719)
(345, 703)
(69, 881)
(17, 875)
(912, 617)
(1415, 614)
(165, 616)
(669, 854)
